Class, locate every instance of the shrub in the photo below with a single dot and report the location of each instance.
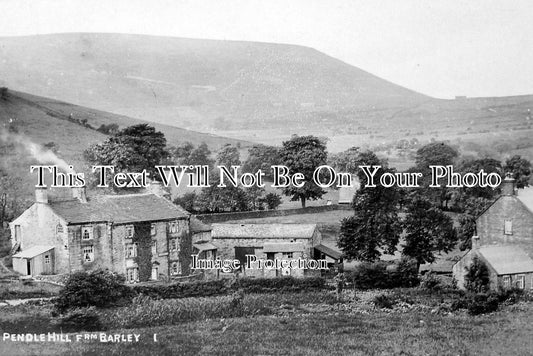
(482, 303)
(477, 276)
(377, 276)
(183, 290)
(96, 288)
(430, 282)
(384, 301)
(283, 284)
(79, 319)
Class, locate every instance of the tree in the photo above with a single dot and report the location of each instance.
(346, 161)
(261, 157)
(303, 154)
(215, 199)
(181, 153)
(434, 154)
(201, 156)
(187, 201)
(272, 200)
(488, 165)
(472, 208)
(228, 156)
(520, 169)
(375, 226)
(427, 231)
(132, 149)
(477, 276)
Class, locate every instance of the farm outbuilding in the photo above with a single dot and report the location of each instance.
(34, 261)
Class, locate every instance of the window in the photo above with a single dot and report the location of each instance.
(132, 275)
(47, 259)
(508, 227)
(154, 247)
(155, 273)
(88, 253)
(59, 228)
(175, 268)
(270, 256)
(174, 245)
(129, 231)
(153, 229)
(86, 232)
(173, 227)
(288, 255)
(17, 233)
(131, 250)
(506, 281)
(521, 281)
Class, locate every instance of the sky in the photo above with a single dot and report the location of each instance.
(440, 48)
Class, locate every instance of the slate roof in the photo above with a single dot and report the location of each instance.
(507, 259)
(336, 255)
(118, 209)
(33, 251)
(283, 247)
(263, 231)
(197, 226)
(526, 197)
(205, 246)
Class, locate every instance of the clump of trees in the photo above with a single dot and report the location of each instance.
(381, 214)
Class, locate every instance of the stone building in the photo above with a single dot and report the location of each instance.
(504, 240)
(143, 236)
(267, 241)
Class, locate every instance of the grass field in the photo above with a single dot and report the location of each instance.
(317, 332)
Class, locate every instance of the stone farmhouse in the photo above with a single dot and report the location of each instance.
(270, 241)
(143, 236)
(504, 240)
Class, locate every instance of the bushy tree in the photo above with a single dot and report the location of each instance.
(477, 276)
(375, 226)
(132, 149)
(427, 231)
(303, 154)
(95, 288)
(272, 200)
(228, 156)
(187, 201)
(261, 157)
(201, 156)
(520, 168)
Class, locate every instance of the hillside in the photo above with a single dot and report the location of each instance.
(258, 92)
(39, 121)
(203, 84)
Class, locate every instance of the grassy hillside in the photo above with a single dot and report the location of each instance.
(257, 92)
(39, 121)
(203, 84)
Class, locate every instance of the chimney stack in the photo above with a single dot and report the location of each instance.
(41, 195)
(508, 185)
(80, 194)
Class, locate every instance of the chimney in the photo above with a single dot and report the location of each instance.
(80, 194)
(508, 185)
(157, 188)
(41, 195)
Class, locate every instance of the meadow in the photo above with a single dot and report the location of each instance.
(299, 324)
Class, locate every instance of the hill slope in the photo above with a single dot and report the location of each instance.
(38, 121)
(203, 84)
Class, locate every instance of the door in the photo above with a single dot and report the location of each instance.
(155, 273)
(28, 265)
(241, 252)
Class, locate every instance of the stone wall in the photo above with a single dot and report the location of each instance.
(221, 217)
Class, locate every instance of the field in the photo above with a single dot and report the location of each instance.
(347, 328)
